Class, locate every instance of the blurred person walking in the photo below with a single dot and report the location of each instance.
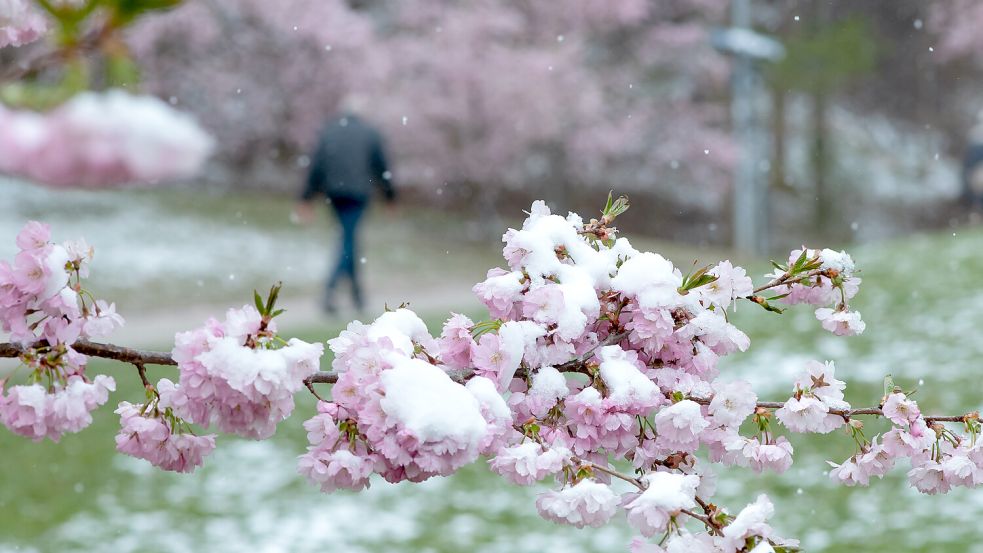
(973, 165)
(347, 164)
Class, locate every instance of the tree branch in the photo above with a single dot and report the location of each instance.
(104, 351)
(139, 358)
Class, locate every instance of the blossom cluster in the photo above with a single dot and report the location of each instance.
(594, 352)
(102, 139)
(396, 413)
(237, 374)
(940, 459)
(826, 279)
(156, 435)
(45, 309)
(596, 357)
(20, 23)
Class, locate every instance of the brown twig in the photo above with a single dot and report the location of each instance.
(142, 370)
(146, 357)
(577, 364)
(610, 472)
(104, 351)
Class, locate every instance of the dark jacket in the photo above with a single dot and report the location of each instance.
(348, 162)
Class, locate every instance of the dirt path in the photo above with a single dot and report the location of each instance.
(155, 327)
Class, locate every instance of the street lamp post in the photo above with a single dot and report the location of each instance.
(750, 201)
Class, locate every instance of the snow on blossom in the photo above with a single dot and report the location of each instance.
(102, 139)
(500, 291)
(527, 463)
(651, 279)
(665, 495)
(679, 426)
(839, 261)
(494, 410)
(237, 388)
(586, 503)
(752, 521)
(628, 389)
(548, 386)
(713, 330)
(439, 418)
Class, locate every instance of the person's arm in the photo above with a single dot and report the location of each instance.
(380, 170)
(304, 210)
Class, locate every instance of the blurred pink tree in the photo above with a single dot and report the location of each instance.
(489, 93)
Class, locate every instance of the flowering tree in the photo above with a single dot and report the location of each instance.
(493, 94)
(55, 132)
(596, 370)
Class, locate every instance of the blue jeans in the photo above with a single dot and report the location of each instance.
(349, 214)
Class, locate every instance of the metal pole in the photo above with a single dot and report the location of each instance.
(749, 195)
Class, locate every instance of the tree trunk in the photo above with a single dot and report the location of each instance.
(823, 209)
(778, 138)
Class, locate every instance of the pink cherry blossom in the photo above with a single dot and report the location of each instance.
(100, 139)
(36, 413)
(775, 456)
(752, 521)
(929, 477)
(731, 283)
(679, 426)
(586, 503)
(20, 23)
(529, 462)
(456, 343)
(841, 323)
(732, 402)
(147, 436)
(900, 410)
(339, 469)
(665, 495)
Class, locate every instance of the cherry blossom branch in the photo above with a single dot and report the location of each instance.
(576, 364)
(786, 279)
(104, 351)
(139, 358)
(610, 472)
(847, 413)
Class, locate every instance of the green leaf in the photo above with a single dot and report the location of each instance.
(274, 295)
(799, 263)
(259, 303)
(484, 327)
(888, 384)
